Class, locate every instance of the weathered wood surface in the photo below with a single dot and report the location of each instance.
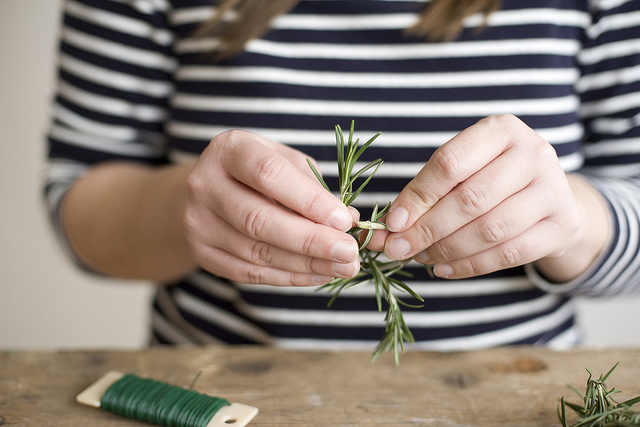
(500, 387)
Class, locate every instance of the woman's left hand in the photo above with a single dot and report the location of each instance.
(492, 197)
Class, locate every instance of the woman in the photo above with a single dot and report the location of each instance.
(531, 199)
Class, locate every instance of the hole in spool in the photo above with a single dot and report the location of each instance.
(230, 420)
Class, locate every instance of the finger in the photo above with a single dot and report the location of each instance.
(219, 234)
(227, 265)
(451, 164)
(509, 219)
(275, 176)
(483, 191)
(355, 215)
(522, 249)
(298, 158)
(377, 241)
(263, 220)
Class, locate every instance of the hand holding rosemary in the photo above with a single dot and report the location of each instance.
(373, 269)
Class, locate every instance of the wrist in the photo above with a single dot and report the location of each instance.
(590, 240)
(178, 259)
(125, 220)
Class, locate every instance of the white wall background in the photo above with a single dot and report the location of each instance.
(44, 301)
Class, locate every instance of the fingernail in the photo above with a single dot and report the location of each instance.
(397, 219)
(443, 270)
(321, 280)
(422, 257)
(345, 251)
(341, 219)
(398, 248)
(343, 270)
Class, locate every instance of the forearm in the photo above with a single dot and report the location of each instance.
(125, 220)
(590, 240)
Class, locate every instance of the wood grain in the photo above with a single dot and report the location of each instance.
(506, 386)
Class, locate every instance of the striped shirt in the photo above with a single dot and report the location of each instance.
(136, 85)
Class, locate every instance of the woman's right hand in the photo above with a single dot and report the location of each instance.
(257, 214)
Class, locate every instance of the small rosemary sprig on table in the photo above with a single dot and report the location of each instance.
(598, 408)
(381, 273)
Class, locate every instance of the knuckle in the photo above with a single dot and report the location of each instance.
(441, 251)
(493, 231)
(311, 265)
(234, 134)
(190, 222)
(574, 222)
(471, 200)
(300, 279)
(297, 279)
(262, 253)
(468, 267)
(426, 232)
(229, 134)
(447, 161)
(268, 171)
(255, 275)
(309, 241)
(507, 120)
(229, 139)
(503, 124)
(419, 196)
(195, 184)
(545, 151)
(255, 221)
(509, 256)
(501, 121)
(315, 202)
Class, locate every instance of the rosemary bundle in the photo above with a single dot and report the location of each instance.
(373, 269)
(599, 409)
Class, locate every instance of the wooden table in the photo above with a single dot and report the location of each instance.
(499, 387)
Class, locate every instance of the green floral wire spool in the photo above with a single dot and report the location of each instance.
(146, 399)
(160, 403)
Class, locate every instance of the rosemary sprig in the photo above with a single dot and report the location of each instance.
(599, 409)
(372, 269)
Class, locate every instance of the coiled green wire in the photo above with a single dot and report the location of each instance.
(149, 400)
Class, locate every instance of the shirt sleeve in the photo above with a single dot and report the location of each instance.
(609, 88)
(114, 78)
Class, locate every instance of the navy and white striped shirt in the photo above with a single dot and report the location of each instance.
(136, 85)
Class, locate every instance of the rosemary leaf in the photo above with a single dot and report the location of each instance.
(598, 408)
(373, 271)
(365, 168)
(367, 144)
(317, 174)
(352, 196)
(340, 148)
